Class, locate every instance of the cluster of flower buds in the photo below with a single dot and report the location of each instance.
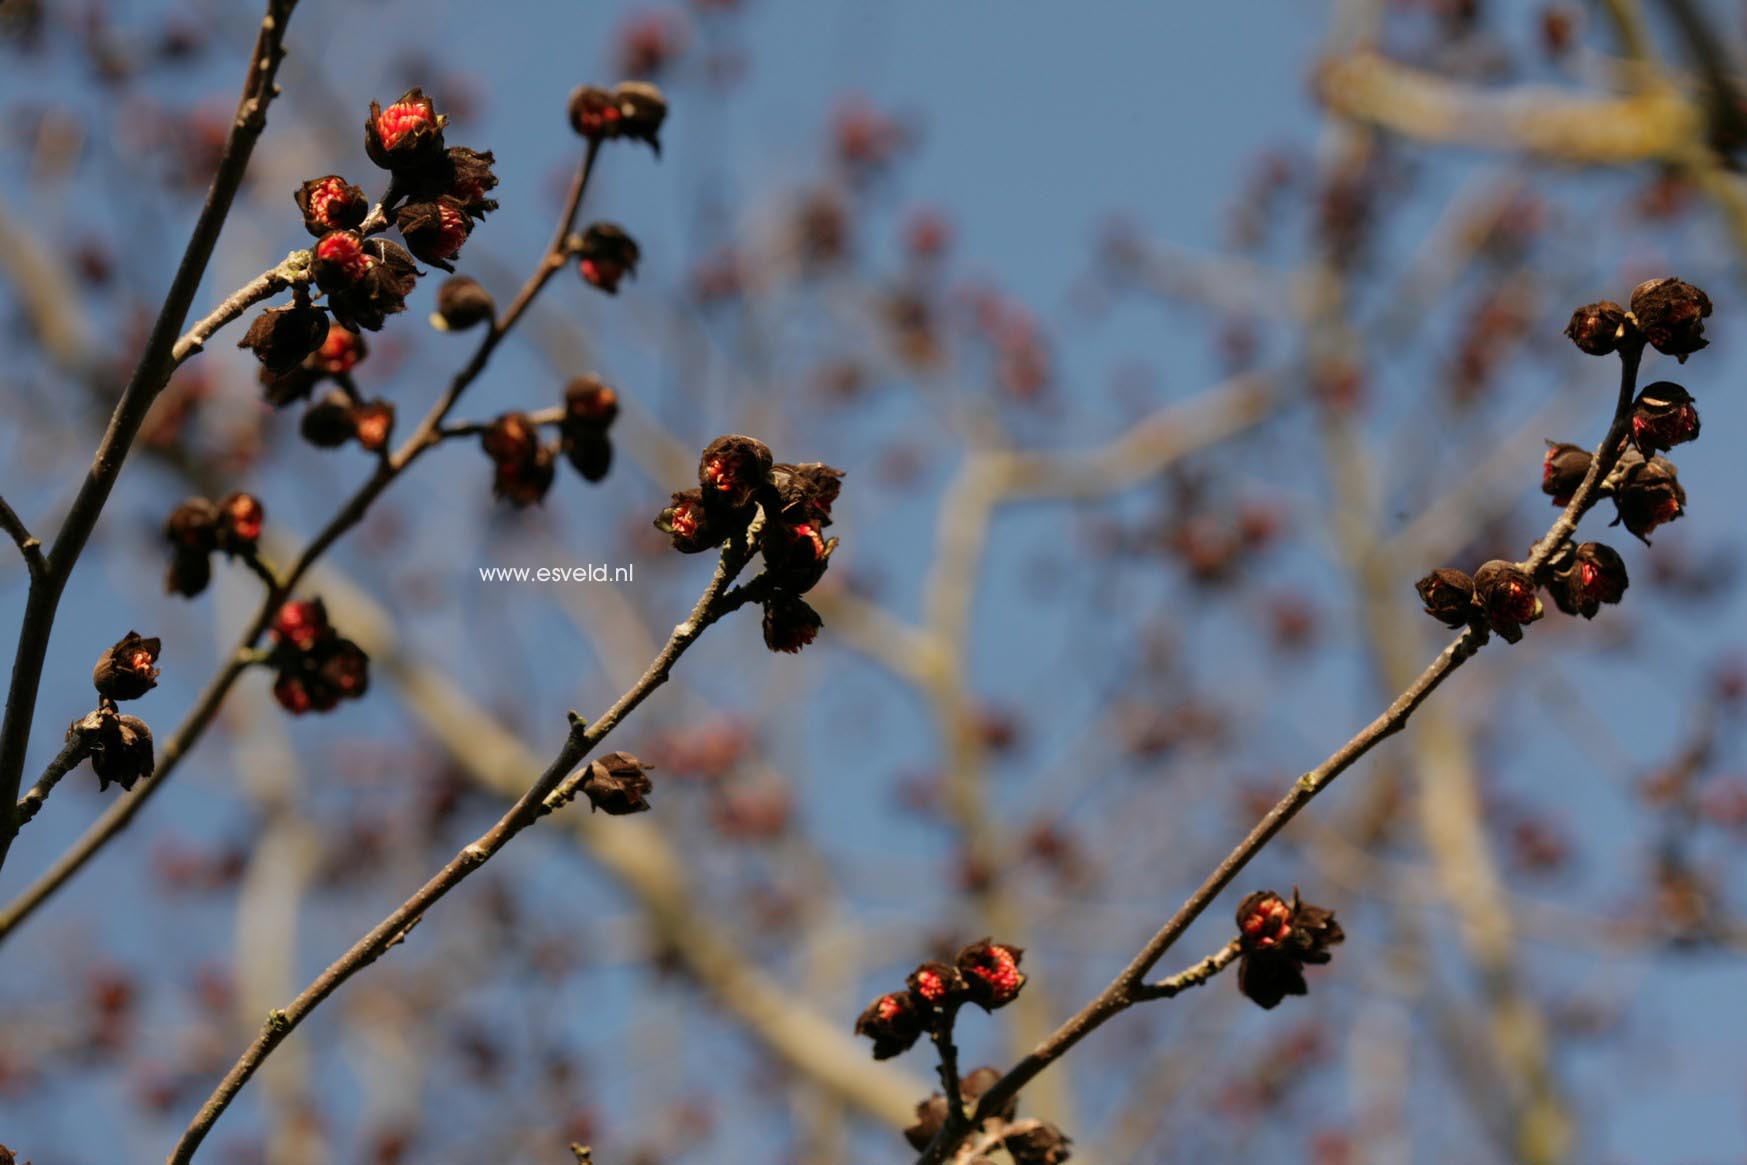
(524, 466)
(1668, 314)
(1499, 597)
(1276, 938)
(736, 477)
(316, 666)
(436, 194)
(198, 527)
(339, 417)
(633, 110)
(590, 407)
(120, 747)
(985, 973)
(334, 360)
(931, 1113)
(605, 255)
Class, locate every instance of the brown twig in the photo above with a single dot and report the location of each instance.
(714, 603)
(1128, 987)
(28, 545)
(428, 434)
(149, 377)
(78, 747)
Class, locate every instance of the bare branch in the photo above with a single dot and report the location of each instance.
(28, 545)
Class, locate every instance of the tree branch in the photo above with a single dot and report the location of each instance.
(28, 545)
(78, 747)
(525, 812)
(149, 377)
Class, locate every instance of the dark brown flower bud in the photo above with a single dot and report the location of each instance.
(642, 109)
(606, 256)
(1649, 495)
(121, 752)
(342, 667)
(1671, 315)
(590, 453)
(1597, 328)
(331, 204)
(807, 491)
(930, 1119)
(1586, 577)
(893, 1022)
(512, 437)
(594, 113)
(389, 277)
(240, 517)
(193, 525)
(796, 555)
(588, 403)
(1039, 1144)
(733, 469)
(328, 423)
(300, 624)
(461, 304)
(1448, 595)
(189, 574)
(373, 424)
(687, 521)
(789, 623)
(406, 135)
(340, 261)
(1506, 595)
(525, 483)
(978, 1081)
(937, 986)
(1563, 470)
(1663, 416)
(281, 337)
(339, 353)
(434, 231)
(991, 973)
(125, 671)
(616, 784)
(1276, 939)
(470, 179)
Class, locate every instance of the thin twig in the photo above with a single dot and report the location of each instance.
(429, 433)
(527, 810)
(1128, 986)
(28, 545)
(1193, 977)
(78, 747)
(149, 377)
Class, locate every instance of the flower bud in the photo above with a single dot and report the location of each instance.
(594, 113)
(807, 491)
(1586, 577)
(930, 1119)
(978, 1081)
(1276, 939)
(524, 483)
(893, 1022)
(301, 624)
(331, 204)
(1671, 315)
(328, 423)
(125, 671)
(281, 337)
(796, 555)
(512, 437)
(434, 231)
(342, 667)
(991, 973)
(1448, 595)
(1648, 496)
(607, 255)
(1663, 416)
(588, 403)
(687, 521)
(1506, 595)
(389, 277)
(406, 135)
(339, 353)
(733, 469)
(1038, 1144)
(789, 623)
(642, 109)
(373, 424)
(590, 453)
(1597, 328)
(470, 179)
(190, 572)
(340, 261)
(936, 986)
(1563, 470)
(193, 525)
(462, 303)
(616, 785)
(240, 517)
(121, 752)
